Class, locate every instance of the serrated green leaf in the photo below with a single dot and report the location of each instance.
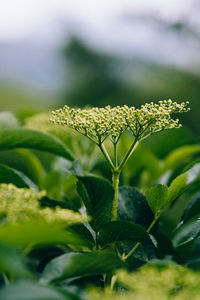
(9, 175)
(177, 187)
(157, 197)
(72, 265)
(33, 139)
(97, 195)
(133, 206)
(34, 233)
(122, 231)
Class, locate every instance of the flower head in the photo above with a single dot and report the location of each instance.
(21, 204)
(100, 123)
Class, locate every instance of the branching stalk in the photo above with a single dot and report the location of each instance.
(128, 154)
(116, 170)
(106, 155)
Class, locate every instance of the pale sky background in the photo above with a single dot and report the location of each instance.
(44, 23)
(20, 18)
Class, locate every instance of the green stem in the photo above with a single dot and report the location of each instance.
(115, 155)
(115, 180)
(116, 170)
(138, 244)
(128, 154)
(106, 155)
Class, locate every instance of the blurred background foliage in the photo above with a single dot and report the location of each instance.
(73, 65)
(85, 70)
(97, 80)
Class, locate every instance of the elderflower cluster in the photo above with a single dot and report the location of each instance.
(21, 204)
(162, 282)
(100, 123)
(150, 282)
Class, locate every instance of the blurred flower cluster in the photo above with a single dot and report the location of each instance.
(154, 282)
(21, 204)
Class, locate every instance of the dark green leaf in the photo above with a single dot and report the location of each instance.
(11, 261)
(193, 208)
(30, 290)
(164, 245)
(72, 265)
(122, 231)
(47, 202)
(33, 139)
(97, 195)
(83, 231)
(193, 235)
(133, 206)
(9, 175)
(157, 197)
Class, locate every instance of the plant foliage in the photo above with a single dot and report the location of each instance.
(118, 221)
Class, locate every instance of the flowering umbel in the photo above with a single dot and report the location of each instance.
(100, 123)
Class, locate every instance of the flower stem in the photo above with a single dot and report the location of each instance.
(116, 170)
(106, 155)
(128, 154)
(115, 154)
(115, 180)
(138, 244)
